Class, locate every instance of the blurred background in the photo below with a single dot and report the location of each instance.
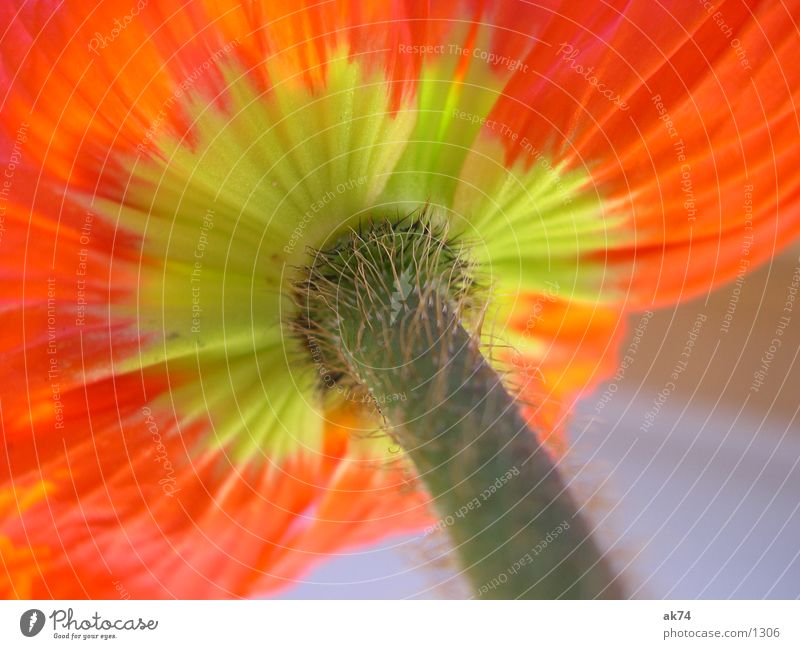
(693, 484)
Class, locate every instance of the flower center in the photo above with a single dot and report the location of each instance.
(376, 279)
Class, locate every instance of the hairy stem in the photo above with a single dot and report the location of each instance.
(393, 319)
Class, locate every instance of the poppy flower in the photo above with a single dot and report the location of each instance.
(168, 168)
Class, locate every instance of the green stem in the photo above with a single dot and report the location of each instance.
(515, 529)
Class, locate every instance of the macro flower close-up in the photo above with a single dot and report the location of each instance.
(283, 282)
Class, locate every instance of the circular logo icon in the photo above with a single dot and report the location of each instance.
(31, 622)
